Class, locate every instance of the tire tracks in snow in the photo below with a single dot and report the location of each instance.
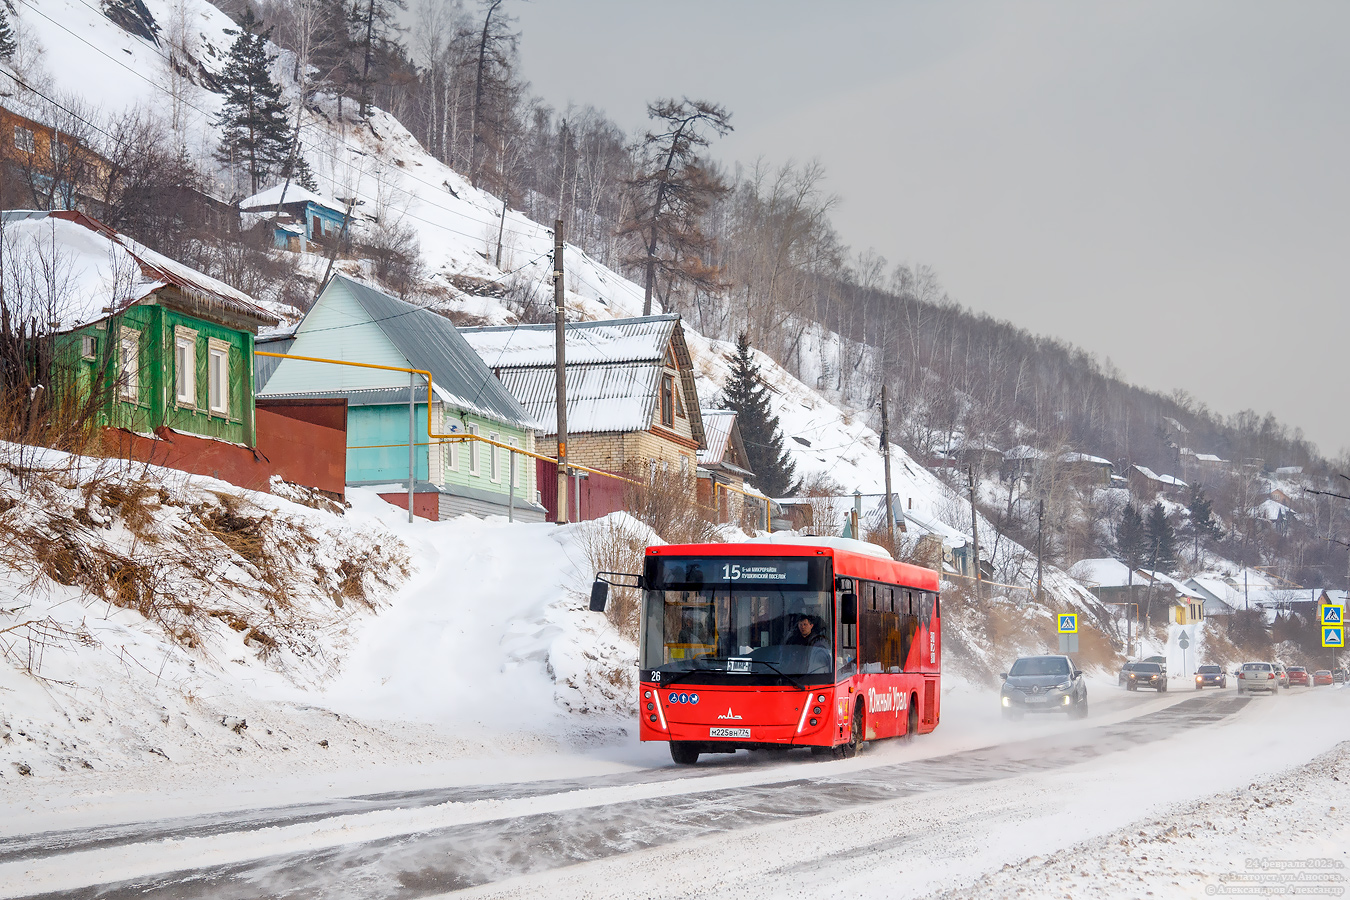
(534, 830)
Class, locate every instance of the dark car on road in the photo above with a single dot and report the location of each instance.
(1043, 684)
(1299, 675)
(1339, 676)
(1149, 675)
(1210, 676)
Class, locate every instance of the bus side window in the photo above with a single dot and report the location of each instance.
(937, 606)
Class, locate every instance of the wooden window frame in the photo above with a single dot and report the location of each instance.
(24, 139)
(185, 339)
(668, 400)
(494, 459)
(217, 349)
(472, 449)
(129, 364)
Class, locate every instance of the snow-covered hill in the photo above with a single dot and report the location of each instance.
(425, 658)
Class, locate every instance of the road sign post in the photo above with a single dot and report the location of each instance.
(1183, 642)
(1067, 625)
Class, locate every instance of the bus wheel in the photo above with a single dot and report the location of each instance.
(684, 753)
(855, 735)
(912, 724)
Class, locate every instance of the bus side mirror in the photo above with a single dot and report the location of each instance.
(848, 609)
(599, 595)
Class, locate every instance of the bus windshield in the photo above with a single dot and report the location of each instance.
(739, 616)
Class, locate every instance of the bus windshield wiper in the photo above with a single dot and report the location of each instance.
(785, 676)
(696, 671)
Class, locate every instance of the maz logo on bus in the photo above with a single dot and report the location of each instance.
(893, 700)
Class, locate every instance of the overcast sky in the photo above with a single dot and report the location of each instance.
(1164, 184)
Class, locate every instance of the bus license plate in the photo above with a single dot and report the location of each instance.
(738, 666)
(729, 732)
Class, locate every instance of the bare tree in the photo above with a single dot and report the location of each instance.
(672, 190)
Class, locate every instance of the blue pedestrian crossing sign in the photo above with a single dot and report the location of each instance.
(1333, 635)
(1068, 623)
(1333, 615)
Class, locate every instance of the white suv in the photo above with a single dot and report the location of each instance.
(1258, 676)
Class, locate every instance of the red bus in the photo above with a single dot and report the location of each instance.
(812, 642)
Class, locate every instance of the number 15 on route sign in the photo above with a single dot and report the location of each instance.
(1068, 623)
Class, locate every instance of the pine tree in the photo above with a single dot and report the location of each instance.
(8, 43)
(1162, 540)
(745, 392)
(256, 132)
(1202, 517)
(1130, 541)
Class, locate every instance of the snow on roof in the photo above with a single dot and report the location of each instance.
(642, 339)
(613, 370)
(838, 543)
(1209, 458)
(294, 194)
(1102, 572)
(1072, 457)
(1164, 479)
(95, 277)
(1273, 510)
(103, 272)
(717, 425)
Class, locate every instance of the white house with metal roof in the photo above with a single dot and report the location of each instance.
(352, 322)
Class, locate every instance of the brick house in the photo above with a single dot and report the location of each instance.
(631, 401)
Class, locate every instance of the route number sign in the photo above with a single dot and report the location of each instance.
(1068, 623)
(1333, 635)
(1333, 615)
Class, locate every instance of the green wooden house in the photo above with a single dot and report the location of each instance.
(352, 322)
(169, 347)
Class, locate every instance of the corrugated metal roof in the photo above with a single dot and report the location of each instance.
(640, 339)
(430, 341)
(599, 397)
(717, 426)
(613, 370)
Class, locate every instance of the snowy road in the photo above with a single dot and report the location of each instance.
(504, 838)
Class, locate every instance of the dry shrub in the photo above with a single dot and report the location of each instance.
(617, 544)
(666, 501)
(829, 509)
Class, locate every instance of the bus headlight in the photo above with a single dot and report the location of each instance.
(813, 723)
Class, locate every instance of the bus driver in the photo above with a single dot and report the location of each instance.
(810, 632)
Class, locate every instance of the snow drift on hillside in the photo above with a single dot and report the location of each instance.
(154, 622)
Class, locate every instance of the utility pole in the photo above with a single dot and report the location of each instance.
(501, 229)
(886, 453)
(1040, 545)
(560, 368)
(974, 531)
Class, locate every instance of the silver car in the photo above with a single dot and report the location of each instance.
(1258, 676)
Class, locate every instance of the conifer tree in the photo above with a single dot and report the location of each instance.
(1130, 542)
(1202, 517)
(746, 394)
(256, 132)
(1162, 539)
(8, 43)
